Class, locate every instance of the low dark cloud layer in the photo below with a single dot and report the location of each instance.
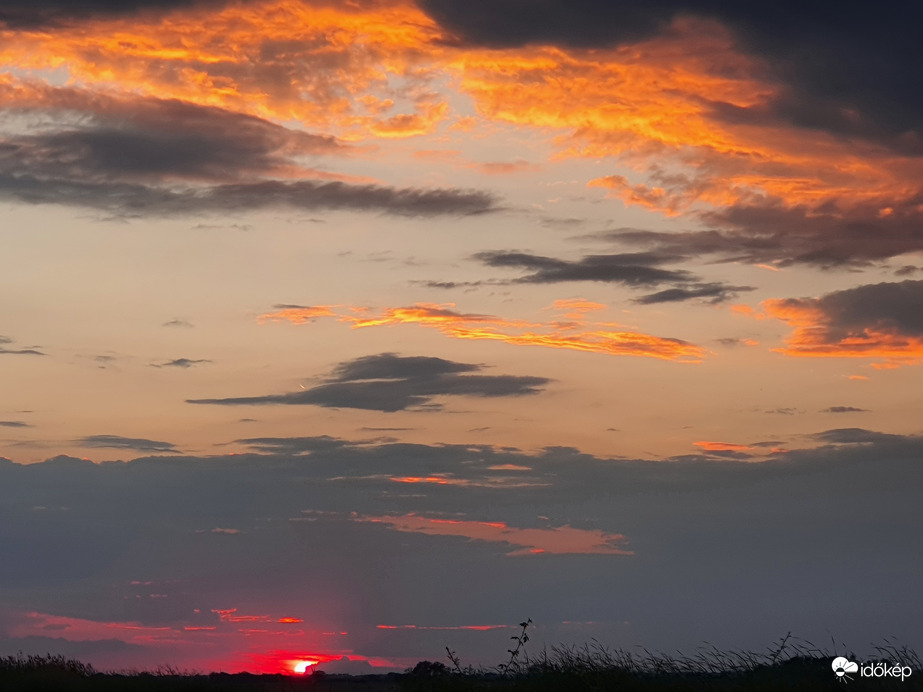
(14, 424)
(844, 409)
(388, 382)
(728, 552)
(634, 269)
(118, 442)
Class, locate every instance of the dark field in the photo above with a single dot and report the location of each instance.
(789, 665)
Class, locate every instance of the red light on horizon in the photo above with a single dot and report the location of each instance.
(302, 667)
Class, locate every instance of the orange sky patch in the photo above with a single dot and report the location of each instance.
(576, 334)
(722, 446)
(560, 541)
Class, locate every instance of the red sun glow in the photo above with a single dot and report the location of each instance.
(302, 666)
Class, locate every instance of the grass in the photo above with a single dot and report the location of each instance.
(789, 664)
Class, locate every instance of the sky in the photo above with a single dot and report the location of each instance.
(343, 332)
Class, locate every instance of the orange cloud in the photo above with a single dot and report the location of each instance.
(297, 314)
(577, 334)
(875, 321)
(319, 64)
(722, 446)
(690, 103)
(560, 541)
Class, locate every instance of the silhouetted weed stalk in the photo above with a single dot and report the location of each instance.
(514, 665)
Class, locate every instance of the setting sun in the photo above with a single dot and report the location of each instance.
(302, 666)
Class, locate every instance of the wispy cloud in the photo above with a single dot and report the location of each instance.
(574, 332)
(637, 269)
(118, 442)
(16, 351)
(183, 363)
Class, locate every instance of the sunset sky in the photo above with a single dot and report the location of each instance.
(343, 331)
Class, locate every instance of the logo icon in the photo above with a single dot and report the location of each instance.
(843, 667)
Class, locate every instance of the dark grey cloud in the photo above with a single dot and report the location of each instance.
(771, 232)
(20, 352)
(631, 269)
(16, 351)
(731, 341)
(14, 424)
(853, 436)
(293, 445)
(178, 323)
(714, 292)
(844, 409)
(48, 13)
(154, 156)
(389, 382)
(890, 307)
(846, 70)
(135, 199)
(118, 442)
(390, 366)
(885, 309)
(180, 363)
(634, 269)
(451, 285)
(147, 139)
